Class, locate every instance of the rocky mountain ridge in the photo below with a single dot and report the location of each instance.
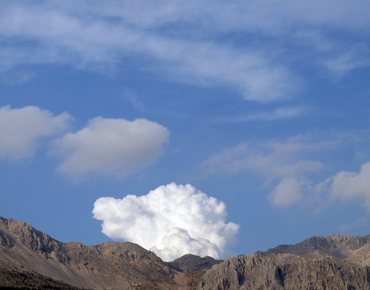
(106, 266)
(332, 262)
(344, 247)
(34, 260)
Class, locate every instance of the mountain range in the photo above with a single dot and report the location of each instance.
(30, 259)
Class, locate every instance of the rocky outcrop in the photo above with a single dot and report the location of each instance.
(190, 268)
(191, 263)
(333, 262)
(354, 249)
(285, 271)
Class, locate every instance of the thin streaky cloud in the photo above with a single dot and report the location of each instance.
(131, 97)
(357, 224)
(277, 114)
(287, 166)
(68, 38)
(84, 35)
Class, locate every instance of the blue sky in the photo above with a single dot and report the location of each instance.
(108, 110)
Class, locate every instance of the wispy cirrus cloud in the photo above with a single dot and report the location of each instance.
(357, 224)
(295, 169)
(99, 36)
(277, 114)
(354, 57)
(281, 163)
(96, 42)
(131, 97)
(292, 168)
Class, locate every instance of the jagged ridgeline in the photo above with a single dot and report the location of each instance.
(30, 259)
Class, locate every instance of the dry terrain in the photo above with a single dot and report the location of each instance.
(30, 259)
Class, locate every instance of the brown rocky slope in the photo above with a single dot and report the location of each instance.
(11, 278)
(106, 266)
(333, 262)
(33, 260)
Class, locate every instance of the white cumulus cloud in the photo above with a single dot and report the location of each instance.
(347, 185)
(110, 147)
(20, 129)
(171, 220)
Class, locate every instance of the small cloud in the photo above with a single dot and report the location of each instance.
(286, 193)
(13, 78)
(348, 185)
(20, 129)
(110, 147)
(354, 57)
(357, 224)
(277, 114)
(171, 220)
(133, 99)
(362, 154)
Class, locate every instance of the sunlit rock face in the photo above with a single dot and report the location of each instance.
(333, 262)
(286, 271)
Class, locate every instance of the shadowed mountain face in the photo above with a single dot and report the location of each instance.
(192, 263)
(192, 268)
(11, 278)
(33, 260)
